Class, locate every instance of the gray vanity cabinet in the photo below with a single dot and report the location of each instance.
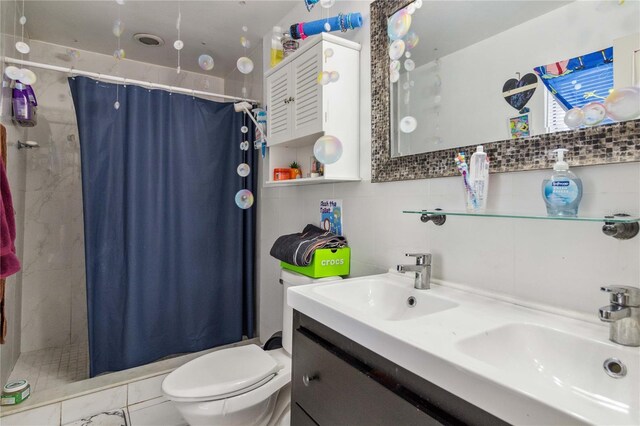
(335, 381)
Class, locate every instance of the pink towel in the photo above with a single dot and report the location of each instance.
(9, 263)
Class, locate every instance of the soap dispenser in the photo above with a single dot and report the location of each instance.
(562, 191)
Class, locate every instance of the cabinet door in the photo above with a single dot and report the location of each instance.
(333, 392)
(307, 93)
(279, 107)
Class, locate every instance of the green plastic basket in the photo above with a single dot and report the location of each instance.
(325, 263)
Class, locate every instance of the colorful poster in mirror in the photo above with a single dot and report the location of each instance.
(519, 126)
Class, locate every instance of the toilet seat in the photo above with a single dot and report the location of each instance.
(221, 374)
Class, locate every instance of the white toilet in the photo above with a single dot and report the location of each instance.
(241, 386)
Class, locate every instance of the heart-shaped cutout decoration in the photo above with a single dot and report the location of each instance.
(518, 92)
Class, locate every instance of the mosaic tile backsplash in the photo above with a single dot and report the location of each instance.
(612, 143)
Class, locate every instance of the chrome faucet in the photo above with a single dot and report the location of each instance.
(624, 315)
(422, 268)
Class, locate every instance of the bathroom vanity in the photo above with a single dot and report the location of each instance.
(362, 354)
(337, 381)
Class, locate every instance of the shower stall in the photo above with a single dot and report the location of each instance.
(59, 316)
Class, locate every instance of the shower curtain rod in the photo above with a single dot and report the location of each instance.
(123, 80)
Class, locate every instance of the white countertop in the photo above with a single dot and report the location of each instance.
(557, 377)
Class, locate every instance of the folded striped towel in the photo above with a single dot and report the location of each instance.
(297, 249)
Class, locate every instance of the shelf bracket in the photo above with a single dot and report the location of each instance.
(437, 219)
(621, 231)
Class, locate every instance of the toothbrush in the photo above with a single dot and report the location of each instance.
(463, 168)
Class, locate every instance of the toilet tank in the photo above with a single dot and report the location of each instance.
(291, 279)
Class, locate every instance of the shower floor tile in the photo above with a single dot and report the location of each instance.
(47, 368)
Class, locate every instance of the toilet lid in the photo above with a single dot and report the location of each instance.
(225, 372)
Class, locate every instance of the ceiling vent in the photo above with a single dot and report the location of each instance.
(148, 39)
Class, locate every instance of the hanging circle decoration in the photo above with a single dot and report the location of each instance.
(206, 62)
(324, 78)
(119, 54)
(327, 149)
(408, 124)
(334, 76)
(394, 76)
(327, 27)
(22, 47)
(178, 44)
(245, 65)
(594, 113)
(328, 52)
(245, 42)
(118, 28)
(244, 199)
(28, 77)
(14, 73)
(574, 118)
(244, 129)
(396, 50)
(411, 40)
(409, 65)
(244, 145)
(23, 20)
(623, 104)
(399, 24)
(327, 3)
(116, 105)
(243, 170)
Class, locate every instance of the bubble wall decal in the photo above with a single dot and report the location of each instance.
(327, 149)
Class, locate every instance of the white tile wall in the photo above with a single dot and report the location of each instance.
(142, 400)
(106, 400)
(144, 390)
(155, 412)
(48, 415)
(558, 264)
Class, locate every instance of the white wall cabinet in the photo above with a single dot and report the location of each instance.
(300, 110)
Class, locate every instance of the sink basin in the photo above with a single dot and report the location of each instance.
(384, 299)
(567, 362)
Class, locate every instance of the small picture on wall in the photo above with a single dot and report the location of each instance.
(519, 126)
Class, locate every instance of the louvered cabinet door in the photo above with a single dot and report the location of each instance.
(307, 93)
(279, 106)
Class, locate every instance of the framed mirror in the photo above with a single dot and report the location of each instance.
(520, 77)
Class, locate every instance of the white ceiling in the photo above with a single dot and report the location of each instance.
(212, 27)
(449, 26)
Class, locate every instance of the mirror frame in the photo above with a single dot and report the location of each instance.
(606, 144)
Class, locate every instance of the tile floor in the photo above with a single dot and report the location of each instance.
(47, 368)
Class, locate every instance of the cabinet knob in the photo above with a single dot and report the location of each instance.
(306, 379)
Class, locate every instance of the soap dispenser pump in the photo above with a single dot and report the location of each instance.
(562, 191)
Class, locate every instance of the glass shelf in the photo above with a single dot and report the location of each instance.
(581, 218)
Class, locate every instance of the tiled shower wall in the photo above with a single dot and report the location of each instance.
(53, 292)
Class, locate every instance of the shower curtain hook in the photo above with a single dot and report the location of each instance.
(71, 74)
(193, 93)
(124, 82)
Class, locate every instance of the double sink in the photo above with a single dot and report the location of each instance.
(524, 365)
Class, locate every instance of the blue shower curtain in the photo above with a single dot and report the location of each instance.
(169, 256)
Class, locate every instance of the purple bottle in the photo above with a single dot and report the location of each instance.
(24, 105)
